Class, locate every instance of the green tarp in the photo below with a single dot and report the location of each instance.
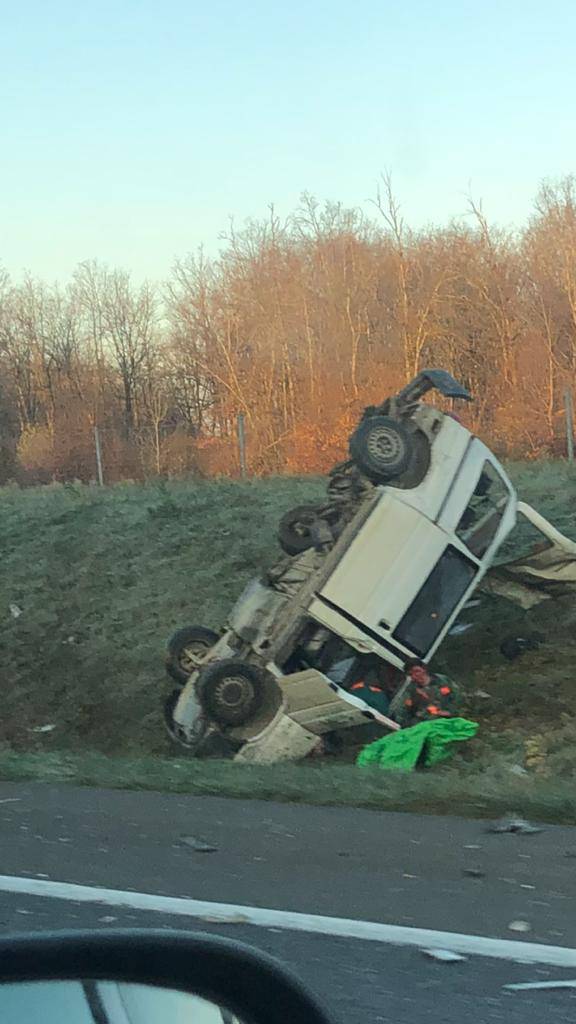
(426, 743)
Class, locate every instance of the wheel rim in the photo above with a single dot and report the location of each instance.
(192, 655)
(301, 527)
(233, 693)
(384, 445)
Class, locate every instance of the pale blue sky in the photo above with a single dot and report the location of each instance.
(131, 130)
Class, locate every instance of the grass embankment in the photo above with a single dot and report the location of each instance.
(97, 580)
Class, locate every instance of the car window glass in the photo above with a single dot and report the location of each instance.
(481, 517)
(435, 602)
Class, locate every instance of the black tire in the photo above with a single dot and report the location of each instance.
(381, 448)
(419, 463)
(295, 529)
(231, 692)
(184, 648)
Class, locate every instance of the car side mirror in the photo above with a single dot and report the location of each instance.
(146, 977)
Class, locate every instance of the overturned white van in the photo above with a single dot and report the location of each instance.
(382, 574)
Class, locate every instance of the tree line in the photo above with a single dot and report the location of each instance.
(297, 324)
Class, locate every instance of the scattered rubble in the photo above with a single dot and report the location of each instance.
(534, 986)
(515, 825)
(224, 919)
(444, 956)
(198, 845)
(514, 646)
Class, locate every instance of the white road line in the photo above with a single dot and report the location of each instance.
(262, 917)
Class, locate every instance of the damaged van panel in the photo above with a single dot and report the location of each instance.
(547, 570)
(375, 575)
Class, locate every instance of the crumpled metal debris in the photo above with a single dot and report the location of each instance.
(533, 986)
(514, 824)
(514, 646)
(445, 956)
(198, 845)
(460, 628)
(225, 919)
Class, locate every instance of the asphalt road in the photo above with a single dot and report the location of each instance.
(398, 869)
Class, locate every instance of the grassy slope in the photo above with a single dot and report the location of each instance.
(103, 577)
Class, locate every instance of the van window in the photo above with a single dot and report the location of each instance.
(435, 602)
(481, 517)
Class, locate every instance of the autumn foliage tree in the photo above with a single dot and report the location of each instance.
(298, 325)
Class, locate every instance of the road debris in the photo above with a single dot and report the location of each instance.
(222, 919)
(533, 986)
(514, 824)
(444, 956)
(460, 628)
(198, 845)
(520, 926)
(514, 646)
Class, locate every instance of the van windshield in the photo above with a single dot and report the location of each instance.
(482, 516)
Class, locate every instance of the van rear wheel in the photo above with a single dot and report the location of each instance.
(381, 448)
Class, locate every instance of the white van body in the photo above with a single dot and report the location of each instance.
(409, 571)
(392, 585)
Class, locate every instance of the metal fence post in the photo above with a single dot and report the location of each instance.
(569, 411)
(98, 456)
(242, 443)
